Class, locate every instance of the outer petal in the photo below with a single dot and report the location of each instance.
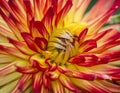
(67, 83)
(21, 46)
(57, 87)
(21, 83)
(6, 47)
(99, 21)
(37, 81)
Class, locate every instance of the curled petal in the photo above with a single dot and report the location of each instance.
(29, 40)
(53, 75)
(39, 65)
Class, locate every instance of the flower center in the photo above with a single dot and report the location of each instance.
(62, 45)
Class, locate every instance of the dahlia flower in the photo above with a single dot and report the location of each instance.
(55, 46)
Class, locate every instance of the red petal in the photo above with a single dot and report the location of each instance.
(114, 55)
(84, 76)
(89, 60)
(26, 69)
(17, 11)
(37, 26)
(47, 20)
(75, 74)
(82, 35)
(41, 42)
(28, 8)
(29, 40)
(66, 82)
(5, 6)
(6, 18)
(37, 81)
(46, 81)
(77, 59)
(88, 45)
(38, 65)
(44, 89)
(21, 27)
(115, 77)
(55, 5)
(101, 34)
(47, 5)
(107, 39)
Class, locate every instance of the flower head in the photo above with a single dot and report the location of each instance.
(53, 46)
